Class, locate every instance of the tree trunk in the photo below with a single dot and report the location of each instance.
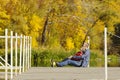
(91, 28)
(44, 31)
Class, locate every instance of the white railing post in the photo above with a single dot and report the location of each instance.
(4, 61)
(11, 41)
(89, 48)
(16, 59)
(28, 53)
(23, 69)
(6, 52)
(24, 56)
(105, 52)
(30, 49)
(2, 64)
(89, 42)
(20, 54)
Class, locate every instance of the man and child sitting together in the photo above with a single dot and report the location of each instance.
(80, 59)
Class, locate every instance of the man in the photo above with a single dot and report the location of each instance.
(77, 60)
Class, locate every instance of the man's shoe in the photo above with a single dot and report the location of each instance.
(57, 64)
(53, 63)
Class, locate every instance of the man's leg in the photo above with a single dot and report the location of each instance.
(63, 63)
(85, 64)
(69, 62)
(75, 63)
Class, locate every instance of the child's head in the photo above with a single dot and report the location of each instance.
(86, 45)
(83, 48)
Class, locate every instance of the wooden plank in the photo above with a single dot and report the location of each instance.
(69, 73)
(14, 67)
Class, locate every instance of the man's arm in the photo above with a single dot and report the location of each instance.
(86, 54)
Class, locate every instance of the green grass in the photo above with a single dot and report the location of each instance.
(43, 57)
(113, 60)
(96, 58)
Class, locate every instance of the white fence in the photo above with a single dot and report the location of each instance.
(24, 50)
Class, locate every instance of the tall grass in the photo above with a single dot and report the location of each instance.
(113, 61)
(96, 58)
(44, 56)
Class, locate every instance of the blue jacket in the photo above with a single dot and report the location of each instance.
(85, 57)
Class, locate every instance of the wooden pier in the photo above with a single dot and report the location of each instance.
(69, 73)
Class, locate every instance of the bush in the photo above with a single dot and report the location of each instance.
(96, 58)
(43, 57)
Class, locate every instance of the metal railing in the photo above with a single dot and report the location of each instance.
(24, 56)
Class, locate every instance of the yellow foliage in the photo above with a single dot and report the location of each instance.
(69, 43)
(26, 28)
(79, 36)
(1, 31)
(34, 43)
(99, 27)
(53, 42)
(36, 23)
(114, 6)
(60, 2)
(78, 3)
(4, 15)
(34, 35)
(4, 2)
(4, 18)
(96, 35)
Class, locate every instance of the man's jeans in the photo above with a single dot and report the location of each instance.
(69, 62)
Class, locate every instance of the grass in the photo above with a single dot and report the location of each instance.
(43, 57)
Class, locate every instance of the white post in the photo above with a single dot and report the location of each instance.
(89, 42)
(30, 49)
(11, 41)
(16, 59)
(89, 48)
(105, 52)
(2, 64)
(20, 54)
(4, 61)
(6, 52)
(23, 54)
(28, 53)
